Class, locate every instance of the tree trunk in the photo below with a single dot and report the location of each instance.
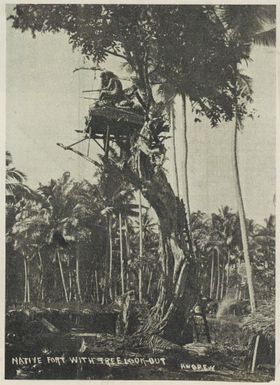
(186, 185)
(178, 285)
(41, 287)
(127, 247)
(173, 134)
(212, 277)
(96, 286)
(242, 218)
(62, 276)
(227, 283)
(110, 256)
(140, 287)
(149, 283)
(223, 279)
(121, 252)
(25, 280)
(78, 274)
(28, 279)
(218, 274)
(178, 282)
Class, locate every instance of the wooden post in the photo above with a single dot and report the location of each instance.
(255, 353)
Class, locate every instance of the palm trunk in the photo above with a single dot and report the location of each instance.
(121, 252)
(25, 280)
(110, 256)
(127, 247)
(149, 283)
(41, 287)
(227, 283)
(70, 285)
(96, 286)
(28, 280)
(218, 274)
(242, 218)
(173, 134)
(62, 276)
(186, 186)
(140, 287)
(212, 277)
(223, 279)
(78, 275)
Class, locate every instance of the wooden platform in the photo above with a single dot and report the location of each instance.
(119, 121)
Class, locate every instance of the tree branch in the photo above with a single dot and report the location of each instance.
(115, 54)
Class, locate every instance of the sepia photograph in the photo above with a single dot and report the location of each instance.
(140, 191)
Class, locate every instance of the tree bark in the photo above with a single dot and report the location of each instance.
(178, 284)
(242, 217)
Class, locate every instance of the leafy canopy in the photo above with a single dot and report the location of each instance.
(181, 48)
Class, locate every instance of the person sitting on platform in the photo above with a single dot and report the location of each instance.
(112, 93)
(111, 90)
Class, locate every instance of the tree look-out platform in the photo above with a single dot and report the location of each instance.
(107, 123)
(119, 121)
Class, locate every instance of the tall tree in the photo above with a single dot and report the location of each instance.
(244, 25)
(169, 44)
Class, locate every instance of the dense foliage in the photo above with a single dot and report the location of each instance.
(70, 222)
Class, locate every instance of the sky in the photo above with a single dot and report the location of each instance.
(44, 106)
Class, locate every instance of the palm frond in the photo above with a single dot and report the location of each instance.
(266, 38)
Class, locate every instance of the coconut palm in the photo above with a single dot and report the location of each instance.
(245, 26)
(15, 181)
(63, 237)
